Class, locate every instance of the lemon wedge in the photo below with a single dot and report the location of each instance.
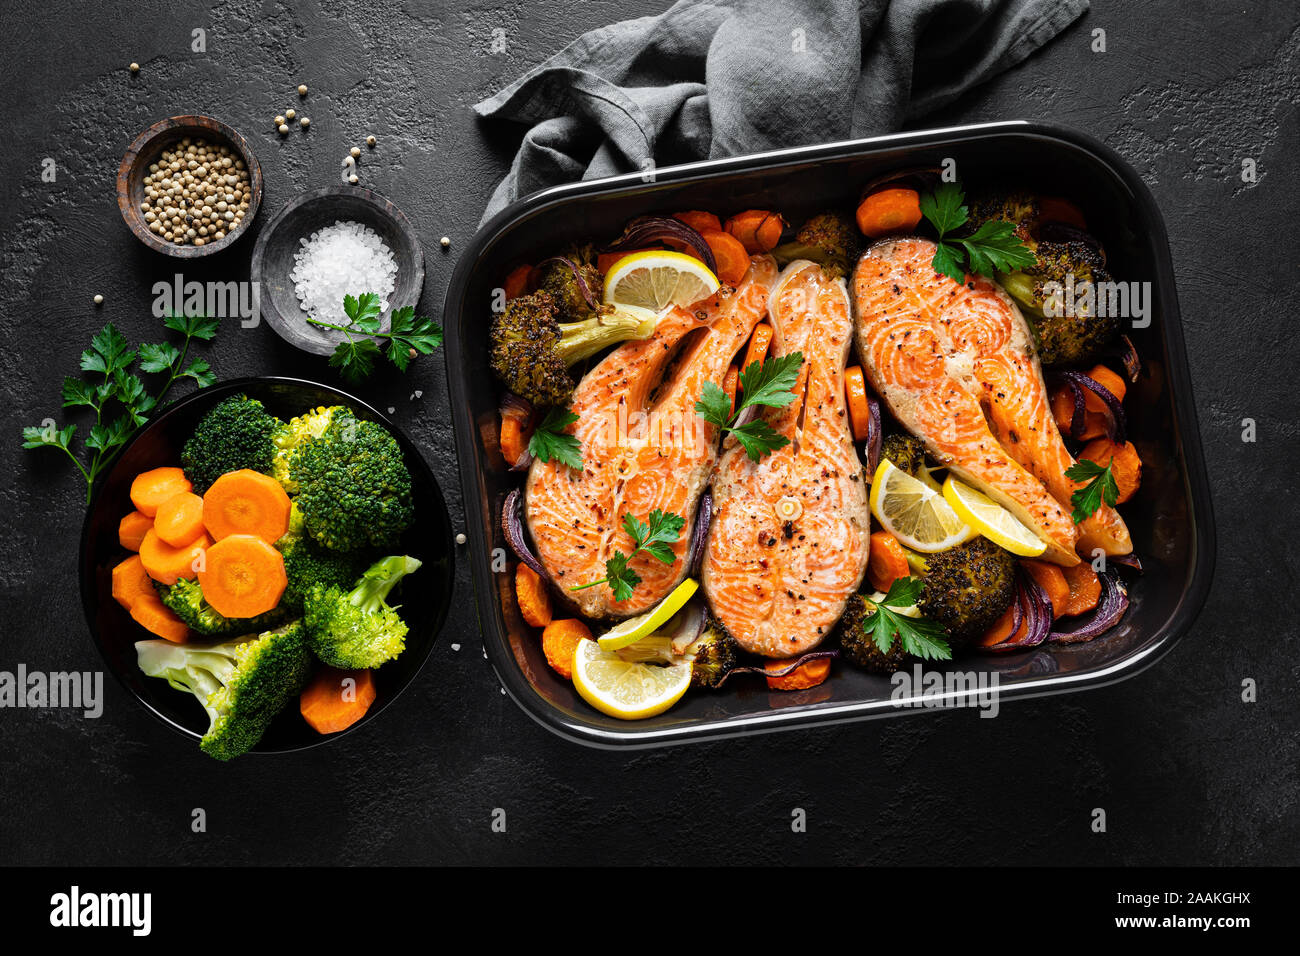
(643, 625)
(914, 513)
(992, 520)
(657, 280)
(625, 689)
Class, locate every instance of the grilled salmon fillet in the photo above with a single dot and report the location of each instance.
(778, 583)
(643, 447)
(943, 356)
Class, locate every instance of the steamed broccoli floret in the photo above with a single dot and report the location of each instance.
(290, 435)
(185, 599)
(236, 434)
(967, 588)
(829, 239)
(859, 647)
(242, 684)
(353, 487)
(712, 655)
(532, 349)
(306, 565)
(357, 628)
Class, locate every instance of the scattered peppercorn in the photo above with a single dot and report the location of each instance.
(304, 122)
(370, 141)
(135, 67)
(445, 241)
(99, 300)
(290, 113)
(279, 121)
(302, 90)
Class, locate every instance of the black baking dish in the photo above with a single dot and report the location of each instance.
(1170, 519)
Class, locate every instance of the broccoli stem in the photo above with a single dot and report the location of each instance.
(371, 592)
(580, 340)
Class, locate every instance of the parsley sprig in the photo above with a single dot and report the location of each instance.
(407, 335)
(767, 383)
(920, 637)
(549, 440)
(117, 395)
(1100, 487)
(993, 247)
(654, 536)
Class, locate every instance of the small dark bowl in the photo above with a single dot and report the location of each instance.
(424, 600)
(148, 146)
(278, 242)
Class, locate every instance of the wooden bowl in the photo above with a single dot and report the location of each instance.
(148, 146)
(279, 240)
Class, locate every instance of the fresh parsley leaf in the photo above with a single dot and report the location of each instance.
(108, 352)
(36, 436)
(355, 359)
(992, 248)
(407, 336)
(653, 536)
(410, 334)
(549, 440)
(1101, 486)
(77, 392)
(158, 358)
(769, 384)
(193, 326)
(920, 637)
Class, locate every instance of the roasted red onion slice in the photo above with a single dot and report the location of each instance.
(1129, 562)
(1116, 423)
(789, 668)
(646, 230)
(687, 625)
(512, 526)
(1129, 356)
(700, 533)
(1031, 615)
(871, 447)
(588, 293)
(1114, 602)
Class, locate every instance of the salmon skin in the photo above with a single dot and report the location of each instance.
(788, 543)
(943, 356)
(643, 447)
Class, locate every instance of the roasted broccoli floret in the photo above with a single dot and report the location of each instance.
(712, 655)
(354, 490)
(291, 434)
(242, 684)
(1064, 335)
(1017, 208)
(859, 647)
(307, 564)
(185, 599)
(906, 452)
(532, 349)
(357, 628)
(559, 281)
(236, 434)
(829, 239)
(967, 588)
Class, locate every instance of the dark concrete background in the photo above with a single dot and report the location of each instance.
(1186, 772)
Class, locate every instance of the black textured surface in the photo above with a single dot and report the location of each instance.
(1186, 772)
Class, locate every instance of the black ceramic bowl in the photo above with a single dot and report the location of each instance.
(1170, 518)
(279, 241)
(424, 598)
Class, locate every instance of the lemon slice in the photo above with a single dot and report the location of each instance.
(624, 689)
(914, 513)
(657, 279)
(643, 625)
(992, 520)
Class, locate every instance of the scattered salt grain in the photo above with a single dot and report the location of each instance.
(391, 410)
(460, 538)
(455, 647)
(347, 258)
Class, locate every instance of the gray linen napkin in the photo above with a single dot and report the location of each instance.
(729, 77)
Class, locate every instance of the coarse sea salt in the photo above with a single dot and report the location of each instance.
(347, 258)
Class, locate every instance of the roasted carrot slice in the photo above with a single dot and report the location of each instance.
(179, 519)
(560, 643)
(1124, 462)
(808, 674)
(758, 230)
(730, 383)
(242, 576)
(156, 618)
(246, 502)
(152, 488)
(1056, 209)
(730, 255)
(1001, 629)
(855, 392)
(759, 344)
(699, 220)
(1051, 579)
(166, 564)
(889, 210)
(131, 582)
(607, 260)
(886, 561)
(516, 283)
(334, 700)
(533, 597)
(1108, 380)
(1085, 588)
(132, 529)
(1063, 412)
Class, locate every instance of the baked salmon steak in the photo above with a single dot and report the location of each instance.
(788, 543)
(643, 448)
(956, 366)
